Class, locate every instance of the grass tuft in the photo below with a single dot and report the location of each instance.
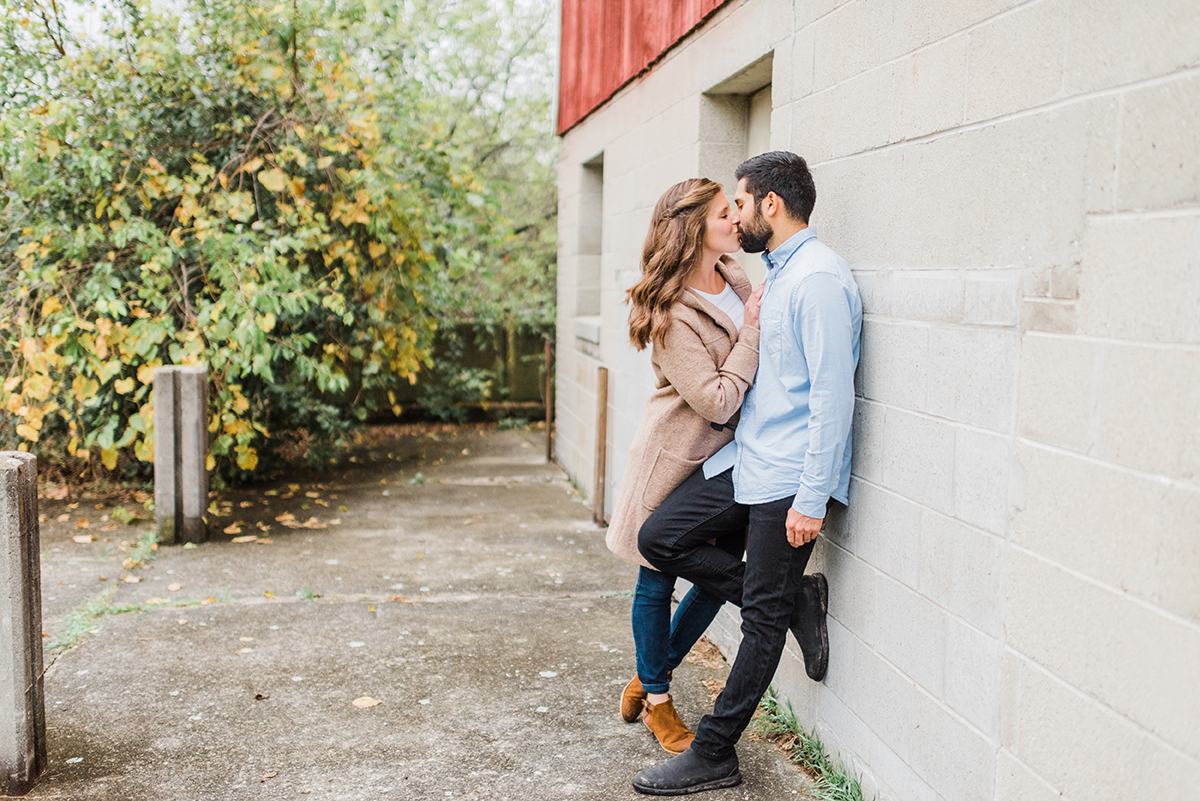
(832, 780)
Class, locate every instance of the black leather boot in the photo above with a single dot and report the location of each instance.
(688, 773)
(808, 624)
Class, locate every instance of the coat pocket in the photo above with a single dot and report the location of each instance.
(666, 473)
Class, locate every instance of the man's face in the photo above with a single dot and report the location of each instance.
(753, 231)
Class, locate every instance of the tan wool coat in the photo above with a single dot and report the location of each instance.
(702, 372)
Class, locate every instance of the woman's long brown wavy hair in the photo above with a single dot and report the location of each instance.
(673, 249)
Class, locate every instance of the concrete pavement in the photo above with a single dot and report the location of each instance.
(462, 586)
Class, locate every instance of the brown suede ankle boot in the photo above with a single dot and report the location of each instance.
(632, 700)
(663, 720)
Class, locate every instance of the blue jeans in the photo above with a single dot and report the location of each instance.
(662, 641)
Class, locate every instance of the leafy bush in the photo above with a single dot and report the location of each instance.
(243, 186)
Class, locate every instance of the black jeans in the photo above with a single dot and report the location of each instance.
(675, 540)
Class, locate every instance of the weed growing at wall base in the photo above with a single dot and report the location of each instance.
(777, 722)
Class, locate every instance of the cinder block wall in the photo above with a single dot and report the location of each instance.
(1016, 584)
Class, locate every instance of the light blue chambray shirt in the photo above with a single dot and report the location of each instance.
(794, 434)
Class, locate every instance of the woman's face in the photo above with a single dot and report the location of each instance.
(720, 227)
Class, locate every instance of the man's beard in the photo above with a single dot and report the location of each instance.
(754, 238)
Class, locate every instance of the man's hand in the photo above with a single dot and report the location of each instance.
(801, 529)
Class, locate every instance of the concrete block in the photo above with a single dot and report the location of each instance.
(854, 116)
(973, 672)
(1104, 139)
(918, 459)
(1054, 316)
(895, 778)
(717, 162)
(852, 585)
(893, 360)
(983, 472)
(838, 719)
(1035, 282)
(1167, 775)
(1160, 150)
(1064, 281)
(874, 289)
(1074, 743)
(992, 299)
(1016, 782)
(952, 16)
(22, 693)
(1070, 503)
(928, 295)
(910, 632)
(867, 444)
(882, 529)
(1141, 279)
(993, 196)
(973, 376)
(802, 65)
(962, 569)
(1016, 61)
(723, 119)
(856, 36)
(1101, 53)
(1148, 410)
(1134, 659)
(1057, 396)
(928, 89)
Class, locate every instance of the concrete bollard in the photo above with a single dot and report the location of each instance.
(180, 450)
(22, 699)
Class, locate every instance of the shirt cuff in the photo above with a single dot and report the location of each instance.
(810, 504)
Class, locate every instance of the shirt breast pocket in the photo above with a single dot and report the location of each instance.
(772, 329)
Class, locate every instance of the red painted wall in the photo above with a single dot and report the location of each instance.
(607, 43)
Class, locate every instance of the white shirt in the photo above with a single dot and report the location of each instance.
(727, 301)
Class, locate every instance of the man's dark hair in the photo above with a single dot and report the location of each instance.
(785, 174)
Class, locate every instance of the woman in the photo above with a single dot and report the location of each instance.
(694, 305)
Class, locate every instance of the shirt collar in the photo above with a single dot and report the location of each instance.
(779, 256)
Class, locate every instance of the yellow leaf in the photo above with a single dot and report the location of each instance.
(124, 385)
(376, 249)
(274, 180)
(233, 528)
(50, 306)
(28, 432)
(12, 383)
(52, 149)
(82, 523)
(108, 456)
(253, 165)
(366, 702)
(247, 458)
(324, 162)
(210, 463)
(266, 322)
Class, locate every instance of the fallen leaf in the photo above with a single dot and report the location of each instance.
(399, 599)
(245, 504)
(235, 528)
(131, 579)
(210, 600)
(243, 650)
(174, 587)
(343, 508)
(261, 696)
(269, 594)
(83, 538)
(108, 528)
(245, 639)
(63, 518)
(262, 526)
(312, 495)
(245, 538)
(103, 578)
(156, 601)
(366, 701)
(82, 523)
(270, 775)
(264, 541)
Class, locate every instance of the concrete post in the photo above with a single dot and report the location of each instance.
(180, 452)
(22, 701)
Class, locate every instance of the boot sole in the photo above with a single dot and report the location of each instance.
(823, 592)
(715, 784)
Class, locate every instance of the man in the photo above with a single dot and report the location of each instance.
(790, 456)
